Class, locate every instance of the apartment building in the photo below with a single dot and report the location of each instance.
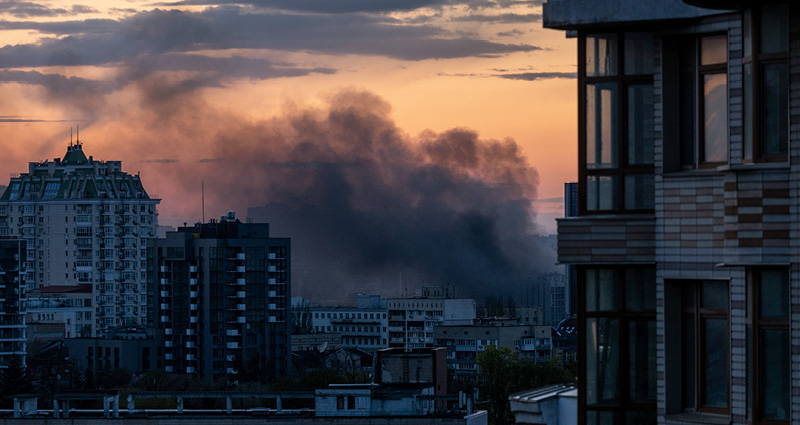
(59, 311)
(685, 243)
(84, 222)
(364, 326)
(412, 319)
(12, 290)
(221, 292)
(465, 342)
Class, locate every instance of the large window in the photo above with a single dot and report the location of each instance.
(695, 81)
(616, 131)
(769, 354)
(705, 344)
(618, 348)
(766, 83)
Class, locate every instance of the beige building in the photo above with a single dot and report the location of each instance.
(58, 312)
(84, 222)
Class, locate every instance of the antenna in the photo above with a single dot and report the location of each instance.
(70, 136)
(203, 198)
(78, 136)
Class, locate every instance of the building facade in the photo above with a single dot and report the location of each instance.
(685, 243)
(84, 222)
(221, 292)
(12, 309)
(412, 320)
(59, 311)
(364, 326)
(465, 342)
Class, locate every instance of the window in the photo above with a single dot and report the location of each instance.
(695, 82)
(618, 347)
(766, 83)
(616, 131)
(704, 345)
(768, 348)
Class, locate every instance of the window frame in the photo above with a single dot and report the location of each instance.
(755, 108)
(624, 318)
(701, 313)
(755, 327)
(623, 168)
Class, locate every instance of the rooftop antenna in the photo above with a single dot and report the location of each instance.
(203, 198)
(70, 136)
(78, 136)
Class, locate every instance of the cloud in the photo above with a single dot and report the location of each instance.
(536, 76)
(24, 9)
(161, 161)
(550, 200)
(103, 41)
(505, 18)
(512, 33)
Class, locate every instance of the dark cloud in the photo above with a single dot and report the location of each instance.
(100, 42)
(23, 120)
(550, 200)
(161, 161)
(536, 76)
(327, 6)
(505, 18)
(24, 9)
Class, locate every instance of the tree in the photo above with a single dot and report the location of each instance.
(14, 378)
(499, 367)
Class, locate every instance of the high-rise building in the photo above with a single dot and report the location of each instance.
(12, 312)
(686, 240)
(221, 292)
(84, 222)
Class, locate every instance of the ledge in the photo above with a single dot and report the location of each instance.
(695, 418)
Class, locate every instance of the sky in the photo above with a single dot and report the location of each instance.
(263, 101)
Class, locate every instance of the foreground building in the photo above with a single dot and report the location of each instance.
(84, 222)
(686, 240)
(221, 292)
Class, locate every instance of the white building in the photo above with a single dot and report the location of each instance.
(84, 222)
(411, 320)
(58, 312)
(364, 326)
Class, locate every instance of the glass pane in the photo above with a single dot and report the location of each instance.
(601, 55)
(774, 28)
(640, 289)
(688, 353)
(715, 118)
(714, 294)
(601, 290)
(601, 193)
(639, 191)
(688, 102)
(602, 361)
(714, 49)
(774, 294)
(748, 110)
(715, 362)
(747, 32)
(775, 112)
(775, 364)
(601, 125)
(593, 417)
(642, 358)
(644, 417)
(640, 124)
(638, 53)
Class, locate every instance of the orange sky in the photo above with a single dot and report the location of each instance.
(156, 84)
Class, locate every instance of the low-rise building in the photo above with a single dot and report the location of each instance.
(412, 319)
(136, 350)
(465, 342)
(59, 311)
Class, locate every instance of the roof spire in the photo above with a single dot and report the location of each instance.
(78, 136)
